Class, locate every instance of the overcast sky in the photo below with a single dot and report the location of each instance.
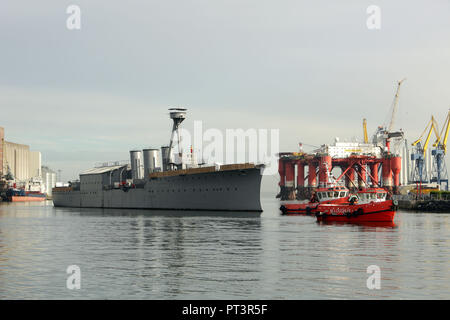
(310, 68)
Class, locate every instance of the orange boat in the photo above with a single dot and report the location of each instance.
(370, 205)
(325, 195)
(20, 195)
(26, 198)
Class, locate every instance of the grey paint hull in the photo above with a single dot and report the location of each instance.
(233, 190)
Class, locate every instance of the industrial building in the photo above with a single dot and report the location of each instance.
(2, 143)
(18, 160)
(35, 164)
(22, 167)
(22, 163)
(48, 179)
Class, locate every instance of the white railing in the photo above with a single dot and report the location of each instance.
(409, 197)
(440, 196)
(111, 163)
(422, 197)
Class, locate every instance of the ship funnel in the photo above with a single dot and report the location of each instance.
(165, 155)
(136, 164)
(151, 161)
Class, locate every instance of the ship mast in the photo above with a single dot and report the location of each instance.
(177, 115)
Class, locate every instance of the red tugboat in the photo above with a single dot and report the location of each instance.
(326, 195)
(329, 193)
(369, 205)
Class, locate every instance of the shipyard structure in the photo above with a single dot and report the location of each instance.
(165, 178)
(386, 161)
(359, 165)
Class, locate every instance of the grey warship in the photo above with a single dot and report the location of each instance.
(179, 184)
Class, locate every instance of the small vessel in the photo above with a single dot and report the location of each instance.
(331, 192)
(23, 191)
(20, 195)
(368, 205)
(325, 195)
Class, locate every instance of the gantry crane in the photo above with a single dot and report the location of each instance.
(419, 153)
(439, 171)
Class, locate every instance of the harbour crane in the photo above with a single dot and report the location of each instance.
(419, 153)
(390, 134)
(385, 133)
(439, 171)
(366, 139)
(395, 105)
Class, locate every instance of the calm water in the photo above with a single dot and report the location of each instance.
(133, 254)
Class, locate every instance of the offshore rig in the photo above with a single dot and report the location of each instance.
(377, 163)
(360, 164)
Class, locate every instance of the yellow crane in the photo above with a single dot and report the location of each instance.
(419, 175)
(439, 172)
(443, 135)
(439, 169)
(433, 127)
(366, 139)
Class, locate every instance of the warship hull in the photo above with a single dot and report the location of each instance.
(216, 190)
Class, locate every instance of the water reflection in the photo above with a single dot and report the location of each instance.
(141, 254)
(157, 213)
(177, 253)
(365, 225)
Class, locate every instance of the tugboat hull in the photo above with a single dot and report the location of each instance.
(367, 212)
